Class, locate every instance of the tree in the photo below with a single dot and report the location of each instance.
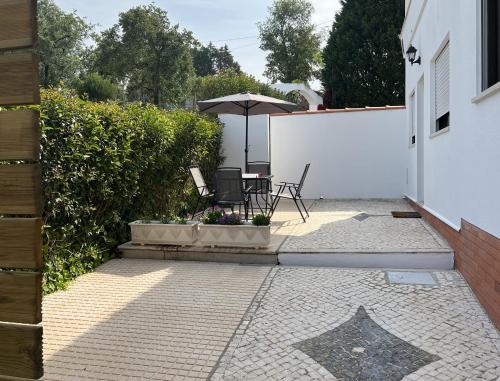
(363, 64)
(209, 60)
(229, 82)
(294, 46)
(61, 44)
(96, 88)
(151, 57)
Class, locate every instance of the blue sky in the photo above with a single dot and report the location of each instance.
(210, 20)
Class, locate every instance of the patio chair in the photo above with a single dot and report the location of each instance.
(294, 193)
(229, 190)
(260, 187)
(204, 193)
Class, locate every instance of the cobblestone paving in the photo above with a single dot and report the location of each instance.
(442, 329)
(360, 225)
(146, 320)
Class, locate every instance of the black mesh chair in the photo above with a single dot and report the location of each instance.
(229, 190)
(204, 193)
(262, 186)
(294, 193)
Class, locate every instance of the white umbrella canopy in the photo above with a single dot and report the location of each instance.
(237, 104)
(246, 104)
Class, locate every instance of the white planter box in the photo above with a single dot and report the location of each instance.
(156, 233)
(246, 235)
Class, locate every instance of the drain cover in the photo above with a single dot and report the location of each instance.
(410, 277)
(361, 217)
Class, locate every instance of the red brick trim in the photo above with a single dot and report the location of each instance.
(333, 111)
(477, 257)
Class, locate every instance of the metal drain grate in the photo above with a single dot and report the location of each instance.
(411, 277)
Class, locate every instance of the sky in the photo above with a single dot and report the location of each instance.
(231, 22)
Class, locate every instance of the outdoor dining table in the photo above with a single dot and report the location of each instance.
(259, 179)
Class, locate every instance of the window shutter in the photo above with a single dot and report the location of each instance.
(442, 82)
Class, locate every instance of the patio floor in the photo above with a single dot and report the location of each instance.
(341, 233)
(166, 320)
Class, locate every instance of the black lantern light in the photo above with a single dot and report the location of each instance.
(411, 53)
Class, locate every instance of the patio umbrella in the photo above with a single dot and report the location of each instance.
(246, 104)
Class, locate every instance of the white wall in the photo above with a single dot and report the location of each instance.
(461, 166)
(234, 139)
(352, 154)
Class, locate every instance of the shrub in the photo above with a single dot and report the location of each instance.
(105, 165)
(96, 88)
(261, 220)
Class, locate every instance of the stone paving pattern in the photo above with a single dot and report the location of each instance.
(146, 320)
(358, 225)
(299, 304)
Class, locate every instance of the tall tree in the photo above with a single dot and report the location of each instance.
(61, 44)
(294, 46)
(147, 54)
(209, 60)
(363, 64)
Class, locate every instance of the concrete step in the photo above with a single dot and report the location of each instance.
(411, 260)
(200, 253)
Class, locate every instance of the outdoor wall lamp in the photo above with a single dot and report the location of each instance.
(411, 53)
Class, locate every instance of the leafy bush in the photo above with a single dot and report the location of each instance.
(105, 165)
(229, 82)
(97, 88)
(261, 220)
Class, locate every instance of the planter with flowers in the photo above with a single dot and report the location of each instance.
(164, 231)
(228, 230)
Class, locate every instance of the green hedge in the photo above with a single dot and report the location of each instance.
(106, 164)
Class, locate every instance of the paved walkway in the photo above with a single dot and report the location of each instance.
(146, 320)
(357, 226)
(334, 324)
(161, 320)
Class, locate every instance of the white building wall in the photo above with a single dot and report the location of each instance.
(234, 139)
(352, 154)
(461, 166)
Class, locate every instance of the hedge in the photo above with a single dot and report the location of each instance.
(106, 164)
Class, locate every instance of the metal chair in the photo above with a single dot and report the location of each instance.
(260, 187)
(204, 193)
(294, 193)
(229, 190)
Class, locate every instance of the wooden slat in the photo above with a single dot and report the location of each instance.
(18, 24)
(20, 189)
(19, 135)
(20, 297)
(19, 79)
(21, 243)
(21, 350)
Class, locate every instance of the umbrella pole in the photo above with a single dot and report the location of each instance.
(246, 139)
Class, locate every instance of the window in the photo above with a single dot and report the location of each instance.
(412, 118)
(442, 88)
(490, 42)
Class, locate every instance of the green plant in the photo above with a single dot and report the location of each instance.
(212, 218)
(261, 220)
(96, 88)
(106, 164)
(230, 219)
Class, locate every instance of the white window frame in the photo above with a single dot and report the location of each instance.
(445, 44)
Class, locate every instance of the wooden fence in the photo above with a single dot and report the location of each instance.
(20, 195)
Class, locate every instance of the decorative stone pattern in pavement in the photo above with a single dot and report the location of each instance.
(361, 225)
(360, 349)
(146, 320)
(299, 304)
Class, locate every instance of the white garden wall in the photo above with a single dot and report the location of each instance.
(353, 154)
